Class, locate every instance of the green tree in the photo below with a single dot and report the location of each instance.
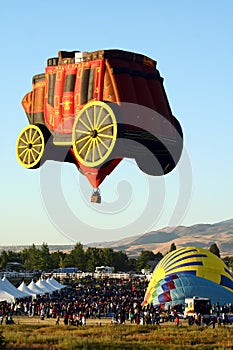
(120, 261)
(14, 256)
(3, 259)
(158, 256)
(214, 249)
(31, 257)
(92, 256)
(106, 256)
(78, 257)
(61, 261)
(172, 247)
(44, 258)
(68, 261)
(132, 264)
(56, 258)
(144, 258)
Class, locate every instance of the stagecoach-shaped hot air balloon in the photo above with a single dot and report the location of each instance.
(96, 108)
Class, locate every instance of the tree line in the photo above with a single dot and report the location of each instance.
(34, 258)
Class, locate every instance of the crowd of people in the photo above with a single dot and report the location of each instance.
(120, 300)
(117, 299)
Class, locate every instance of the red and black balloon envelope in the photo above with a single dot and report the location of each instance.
(95, 108)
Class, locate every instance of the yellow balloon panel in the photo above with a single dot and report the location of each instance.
(191, 260)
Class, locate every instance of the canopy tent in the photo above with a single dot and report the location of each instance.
(41, 283)
(11, 289)
(5, 296)
(51, 285)
(55, 283)
(35, 289)
(23, 288)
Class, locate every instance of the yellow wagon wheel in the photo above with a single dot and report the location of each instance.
(94, 133)
(30, 146)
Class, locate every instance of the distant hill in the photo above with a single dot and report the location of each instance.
(52, 248)
(200, 235)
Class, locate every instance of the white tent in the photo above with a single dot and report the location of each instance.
(11, 289)
(41, 283)
(53, 288)
(4, 296)
(48, 281)
(55, 283)
(35, 289)
(23, 288)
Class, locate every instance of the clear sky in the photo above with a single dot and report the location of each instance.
(192, 42)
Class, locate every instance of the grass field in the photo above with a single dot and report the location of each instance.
(28, 333)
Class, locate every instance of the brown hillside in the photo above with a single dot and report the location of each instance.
(200, 235)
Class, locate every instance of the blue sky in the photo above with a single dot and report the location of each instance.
(192, 43)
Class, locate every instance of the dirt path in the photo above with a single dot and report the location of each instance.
(51, 321)
(36, 320)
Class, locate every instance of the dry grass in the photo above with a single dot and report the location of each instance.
(37, 334)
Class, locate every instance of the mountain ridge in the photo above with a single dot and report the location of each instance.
(200, 235)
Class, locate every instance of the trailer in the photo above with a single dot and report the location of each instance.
(197, 305)
(104, 269)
